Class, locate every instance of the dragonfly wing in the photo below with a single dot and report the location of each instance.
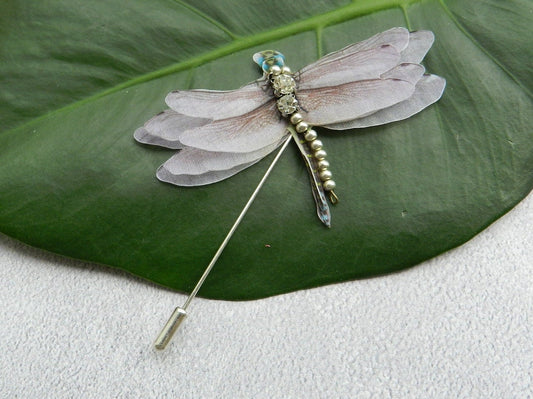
(361, 65)
(427, 91)
(330, 105)
(195, 167)
(395, 37)
(165, 128)
(215, 105)
(419, 44)
(368, 59)
(207, 107)
(405, 71)
(250, 132)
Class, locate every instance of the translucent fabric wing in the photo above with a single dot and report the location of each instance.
(217, 105)
(427, 90)
(328, 105)
(195, 167)
(249, 132)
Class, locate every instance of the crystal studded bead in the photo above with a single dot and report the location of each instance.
(283, 84)
(287, 104)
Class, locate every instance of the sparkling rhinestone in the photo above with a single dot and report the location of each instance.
(283, 84)
(287, 104)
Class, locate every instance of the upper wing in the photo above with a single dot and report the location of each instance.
(395, 37)
(361, 65)
(420, 42)
(367, 59)
(369, 83)
(216, 105)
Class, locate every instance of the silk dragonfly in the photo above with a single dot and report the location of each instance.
(220, 133)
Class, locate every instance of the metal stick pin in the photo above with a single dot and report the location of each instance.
(180, 313)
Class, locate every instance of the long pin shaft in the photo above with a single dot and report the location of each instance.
(179, 313)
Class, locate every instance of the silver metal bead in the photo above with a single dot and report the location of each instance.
(323, 164)
(315, 145)
(320, 154)
(329, 185)
(302, 127)
(310, 135)
(296, 118)
(286, 69)
(275, 70)
(325, 175)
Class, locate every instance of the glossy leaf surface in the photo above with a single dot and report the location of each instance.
(77, 78)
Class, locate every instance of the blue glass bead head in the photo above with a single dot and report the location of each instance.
(268, 58)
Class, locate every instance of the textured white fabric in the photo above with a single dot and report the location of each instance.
(457, 326)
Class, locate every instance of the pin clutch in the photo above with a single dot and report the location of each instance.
(220, 133)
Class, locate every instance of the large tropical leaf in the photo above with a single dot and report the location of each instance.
(78, 77)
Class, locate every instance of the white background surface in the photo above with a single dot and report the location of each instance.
(457, 326)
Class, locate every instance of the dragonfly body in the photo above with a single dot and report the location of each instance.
(220, 133)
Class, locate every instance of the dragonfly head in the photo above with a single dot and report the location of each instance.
(268, 58)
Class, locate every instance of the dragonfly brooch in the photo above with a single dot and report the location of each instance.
(220, 133)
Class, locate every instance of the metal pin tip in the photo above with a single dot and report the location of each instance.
(170, 328)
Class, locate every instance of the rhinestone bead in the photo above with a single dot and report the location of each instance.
(287, 104)
(283, 84)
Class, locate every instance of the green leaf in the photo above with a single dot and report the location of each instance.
(78, 77)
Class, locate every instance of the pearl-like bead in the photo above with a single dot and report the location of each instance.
(286, 69)
(320, 155)
(329, 185)
(302, 127)
(325, 175)
(310, 135)
(275, 70)
(323, 164)
(315, 145)
(296, 118)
